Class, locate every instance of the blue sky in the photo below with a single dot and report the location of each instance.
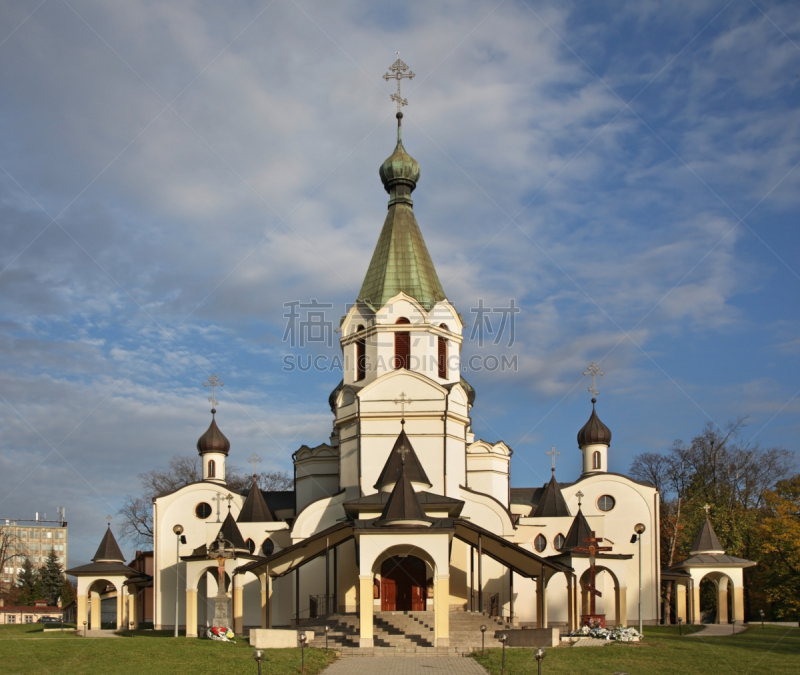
(173, 173)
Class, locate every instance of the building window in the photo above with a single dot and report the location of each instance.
(606, 503)
(361, 357)
(11, 618)
(402, 347)
(212, 468)
(251, 545)
(596, 462)
(558, 542)
(268, 547)
(442, 355)
(540, 543)
(29, 618)
(202, 510)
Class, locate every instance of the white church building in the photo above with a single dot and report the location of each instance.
(403, 508)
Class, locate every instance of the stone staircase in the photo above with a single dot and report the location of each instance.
(397, 633)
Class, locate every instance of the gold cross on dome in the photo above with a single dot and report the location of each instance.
(552, 453)
(213, 382)
(594, 371)
(707, 509)
(397, 71)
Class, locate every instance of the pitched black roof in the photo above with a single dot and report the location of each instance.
(551, 503)
(230, 531)
(255, 509)
(402, 504)
(402, 455)
(594, 431)
(108, 551)
(579, 531)
(706, 540)
(428, 500)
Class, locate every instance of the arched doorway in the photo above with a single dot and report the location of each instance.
(403, 584)
(716, 598)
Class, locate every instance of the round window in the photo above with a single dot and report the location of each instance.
(267, 547)
(606, 503)
(540, 543)
(202, 510)
(558, 542)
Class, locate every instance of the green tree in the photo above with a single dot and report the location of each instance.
(52, 578)
(29, 583)
(67, 592)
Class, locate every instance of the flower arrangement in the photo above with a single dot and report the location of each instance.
(220, 633)
(618, 634)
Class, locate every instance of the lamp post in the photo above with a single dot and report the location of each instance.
(483, 637)
(303, 640)
(761, 612)
(539, 655)
(679, 625)
(327, 628)
(178, 530)
(639, 529)
(258, 655)
(503, 637)
(84, 629)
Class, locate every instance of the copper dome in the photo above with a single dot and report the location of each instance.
(213, 440)
(594, 432)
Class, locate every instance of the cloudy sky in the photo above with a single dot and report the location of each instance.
(172, 174)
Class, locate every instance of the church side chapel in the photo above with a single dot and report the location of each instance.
(404, 509)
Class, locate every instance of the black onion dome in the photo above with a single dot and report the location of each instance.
(594, 432)
(213, 440)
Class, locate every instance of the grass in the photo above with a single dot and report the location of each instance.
(774, 650)
(27, 649)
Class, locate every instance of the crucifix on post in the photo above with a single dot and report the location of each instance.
(592, 549)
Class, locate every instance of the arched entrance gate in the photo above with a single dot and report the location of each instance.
(403, 584)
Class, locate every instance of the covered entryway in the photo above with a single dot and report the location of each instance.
(403, 584)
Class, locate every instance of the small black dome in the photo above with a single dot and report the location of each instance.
(213, 440)
(594, 432)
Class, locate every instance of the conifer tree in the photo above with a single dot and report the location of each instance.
(52, 577)
(29, 583)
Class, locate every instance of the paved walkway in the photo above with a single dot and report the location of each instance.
(718, 630)
(403, 665)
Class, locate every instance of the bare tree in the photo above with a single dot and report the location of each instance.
(12, 548)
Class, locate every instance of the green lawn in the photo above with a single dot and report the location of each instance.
(26, 649)
(774, 650)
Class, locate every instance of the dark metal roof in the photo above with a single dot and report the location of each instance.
(103, 568)
(708, 560)
(108, 551)
(279, 500)
(255, 509)
(551, 504)
(526, 496)
(402, 505)
(428, 500)
(594, 431)
(579, 531)
(230, 531)
(706, 540)
(213, 440)
(395, 464)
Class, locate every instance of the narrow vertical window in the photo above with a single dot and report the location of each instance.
(442, 354)
(361, 357)
(596, 460)
(212, 468)
(402, 347)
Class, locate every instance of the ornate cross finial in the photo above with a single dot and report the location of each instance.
(402, 451)
(108, 518)
(213, 382)
(255, 459)
(402, 400)
(230, 499)
(579, 495)
(398, 72)
(552, 453)
(707, 509)
(594, 371)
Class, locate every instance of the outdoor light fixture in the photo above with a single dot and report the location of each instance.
(733, 627)
(639, 528)
(539, 655)
(679, 625)
(84, 628)
(327, 628)
(483, 637)
(303, 640)
(761, 612)
(503, 637)
(258, 655)
(178, 530)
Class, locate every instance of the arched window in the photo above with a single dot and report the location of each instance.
(402, 347)
(212, 468)
(361, 356)
(251, 545)
(540, 543)
(268, 547)
(596, 460)
(442, 354)
(558, 542)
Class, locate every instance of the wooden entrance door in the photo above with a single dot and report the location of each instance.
(403, 585)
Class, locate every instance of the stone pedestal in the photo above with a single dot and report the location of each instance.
(595, 619)
(222, 615)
